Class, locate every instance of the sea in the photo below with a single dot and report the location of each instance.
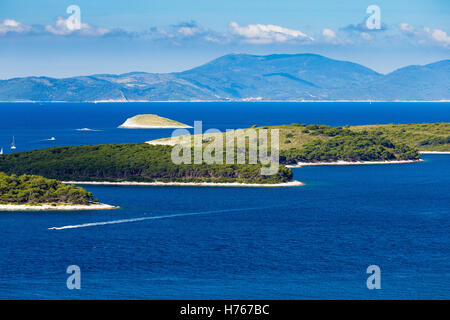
(315, 241)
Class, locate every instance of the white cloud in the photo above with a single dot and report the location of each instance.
(330, 36)
(440, 36)
(184, 32)
(405, 27)
(425, 35)
(159, 32)
(366, 36)
(213, 39)
(63, 27)
(189, 31)
(9, 25)
(260, 33)
(328, 33)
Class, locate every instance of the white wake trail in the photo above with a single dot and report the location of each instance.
(93, 224)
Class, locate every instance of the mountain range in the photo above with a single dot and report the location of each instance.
(243, 77)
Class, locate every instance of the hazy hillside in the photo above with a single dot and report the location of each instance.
(245, 77)
(429, 82)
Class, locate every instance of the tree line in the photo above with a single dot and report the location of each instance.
(33, 189)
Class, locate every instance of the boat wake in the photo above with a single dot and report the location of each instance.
(43, 140)
(94, 224)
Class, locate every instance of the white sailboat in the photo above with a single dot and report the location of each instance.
(1, 151)
(13, 144)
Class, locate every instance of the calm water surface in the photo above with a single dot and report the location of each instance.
(314, 241)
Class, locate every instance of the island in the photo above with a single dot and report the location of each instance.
(134, 163)
(300, 144)
(151, 121)
(87, 129)
(32, 192)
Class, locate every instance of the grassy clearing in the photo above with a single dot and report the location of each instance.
(151, 120)
(423, 136)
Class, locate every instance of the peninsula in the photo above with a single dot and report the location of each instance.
(302, 144)
(35, 193)
(132, 162)
(151, 121)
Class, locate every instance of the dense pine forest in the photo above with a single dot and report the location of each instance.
(137, 162)
(341, 143)
(32, 189)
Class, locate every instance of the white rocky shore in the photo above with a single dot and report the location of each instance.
(131, 125)
(349, 163)
(47, 207)
(293, 183)
(434, 152)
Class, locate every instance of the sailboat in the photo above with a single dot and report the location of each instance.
(13, 144)
(1, 151)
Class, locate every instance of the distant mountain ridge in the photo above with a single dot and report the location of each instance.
(243, 77)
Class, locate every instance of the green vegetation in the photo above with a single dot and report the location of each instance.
(298, 143)
(32, 189)
(151, 120)
(423, 136)
(129, 162)
(314, 143)
(337, 143)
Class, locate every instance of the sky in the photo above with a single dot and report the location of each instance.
(41, 38)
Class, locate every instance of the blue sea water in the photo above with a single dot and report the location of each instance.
(309, 242)
(33, 124)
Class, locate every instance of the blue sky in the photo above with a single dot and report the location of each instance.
(174, 35)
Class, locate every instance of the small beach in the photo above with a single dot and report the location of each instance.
(135, 126)
(294, 183)
(48, 207)
(349, 163)
(434, 152)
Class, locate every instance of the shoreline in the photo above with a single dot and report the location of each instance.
(152, 127)
(170, 142)
(49, 207)
(434, 152)
(350, 163)
(293, 183)
(230, 101)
